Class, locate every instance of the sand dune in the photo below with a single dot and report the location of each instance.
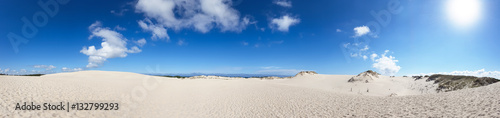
(307, 95)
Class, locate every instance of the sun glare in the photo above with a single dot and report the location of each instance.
(464, 12)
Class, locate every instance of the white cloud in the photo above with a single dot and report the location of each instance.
(46, 67)
(477, 73)
(386, 51)
(94, 26)
(141, 42)
(201, 15)
(346, 45)
(284, 23)
(357, 50)
(118, 28)
(338, 30)
(354, 54)
(361, 30)
(113, 46)
(158, 31)
(65, 69)
(283, 3)
(244, 43)
(365, 48)
(373, 56)
(120, 12)
(6, 70)
(181, 42)
(386, 65)
(134, 49)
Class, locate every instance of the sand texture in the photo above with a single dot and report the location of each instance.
(302, 96)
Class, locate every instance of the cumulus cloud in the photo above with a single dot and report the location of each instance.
(113, 45)
(201, 15)
(118, 28)
(65, 69)
(338, 30)
(386, 65)
(141, 42)
(373, 56)
(46, 67)
(365, 48)
(283, 3)
(356, 50)
(158, 31)
(284, 23)
(361, 30)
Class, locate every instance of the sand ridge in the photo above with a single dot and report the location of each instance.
(303, 96)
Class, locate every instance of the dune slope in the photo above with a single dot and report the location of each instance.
(303, 96)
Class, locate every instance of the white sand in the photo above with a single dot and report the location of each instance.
(303, 96)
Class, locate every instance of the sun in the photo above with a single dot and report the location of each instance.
(464, 12)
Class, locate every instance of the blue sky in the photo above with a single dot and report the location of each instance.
(392, 37)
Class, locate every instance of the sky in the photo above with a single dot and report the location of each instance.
(279, 37)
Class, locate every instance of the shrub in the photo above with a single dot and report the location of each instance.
(177, 76)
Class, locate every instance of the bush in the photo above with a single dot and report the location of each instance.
(177, 76)
(33, 75)
(455, 82)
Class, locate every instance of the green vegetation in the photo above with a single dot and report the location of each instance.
(24, 75)
(370, 71)
(177, 76)
(454, 82)
(260, 77)
(32, 75)
(418, 77)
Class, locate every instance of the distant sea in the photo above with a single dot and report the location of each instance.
(219, 74)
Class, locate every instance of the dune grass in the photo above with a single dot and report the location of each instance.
(24, 75)
(457, 82)
(177, 76)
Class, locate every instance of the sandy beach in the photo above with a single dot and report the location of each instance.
(302, 96)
